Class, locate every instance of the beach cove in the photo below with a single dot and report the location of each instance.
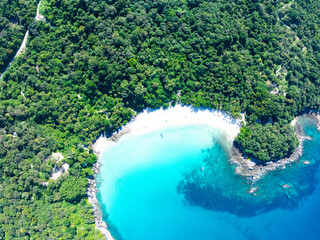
(173, 166)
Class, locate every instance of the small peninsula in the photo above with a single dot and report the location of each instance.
(225, 180)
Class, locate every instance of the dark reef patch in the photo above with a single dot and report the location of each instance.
(218, 188)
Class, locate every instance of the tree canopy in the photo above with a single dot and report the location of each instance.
(93, 63)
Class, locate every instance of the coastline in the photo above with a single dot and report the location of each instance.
(98, 147)
(152, 120)
(253, 171)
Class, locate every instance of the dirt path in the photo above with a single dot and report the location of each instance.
(24, 42)
(39, 16)
(285, 6)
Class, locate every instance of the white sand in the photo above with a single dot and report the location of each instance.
(101, 145)
(57, 156)
(294, 121)
(152, 120)
(56, 172)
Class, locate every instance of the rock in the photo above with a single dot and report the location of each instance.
(92, 199)
(253, 189)
(306, 162)
(255, 171)
(57, 172)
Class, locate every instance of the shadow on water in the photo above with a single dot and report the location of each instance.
(215, 186)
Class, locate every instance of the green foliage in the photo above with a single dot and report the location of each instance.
(97, 61)
(15, 18)
(29, 208)
(267, 142)
(73, 189)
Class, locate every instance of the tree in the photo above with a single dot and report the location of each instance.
(73, 189)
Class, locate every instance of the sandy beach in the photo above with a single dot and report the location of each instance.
(178, 115)
(152, 120)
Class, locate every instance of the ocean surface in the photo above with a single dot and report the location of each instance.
(177, 184)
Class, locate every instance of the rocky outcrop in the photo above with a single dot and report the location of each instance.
(92, 198)
(254, 171)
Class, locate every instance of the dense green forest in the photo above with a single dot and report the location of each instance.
(15, 17)
(99, 61)
(267, 142)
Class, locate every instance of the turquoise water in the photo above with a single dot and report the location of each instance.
(177, 184)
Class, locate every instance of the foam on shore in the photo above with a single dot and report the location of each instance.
(153, 120)
(178, 115)
(254, 171)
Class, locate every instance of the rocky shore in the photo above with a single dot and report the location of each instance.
(254, 171)
(100, 146)
(92, 196)
(152, 120)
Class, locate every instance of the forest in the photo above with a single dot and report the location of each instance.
(15, 17)
(91, 65)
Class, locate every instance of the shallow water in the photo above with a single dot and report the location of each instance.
(177, 184)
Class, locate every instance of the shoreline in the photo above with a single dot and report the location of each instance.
(152, 120)
(92, 191)
(98, 147)
(254, 172)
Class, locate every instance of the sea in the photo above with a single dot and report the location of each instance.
(177, 183)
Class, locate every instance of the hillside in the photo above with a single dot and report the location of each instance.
(99, 61)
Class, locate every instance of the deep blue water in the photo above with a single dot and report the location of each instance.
(177, 184)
